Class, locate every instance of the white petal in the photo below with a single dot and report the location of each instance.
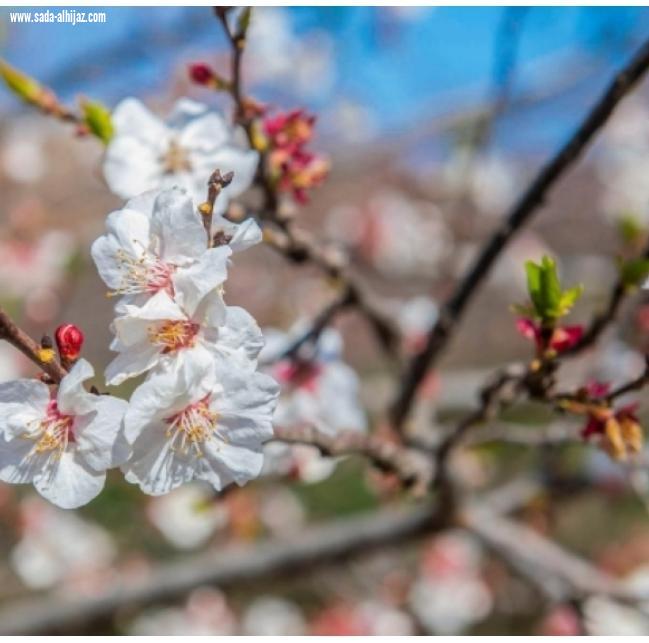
(247, 234)
(68, 482)
(132, 362)
(21, 403)
(31, 393)
(205, 133)
(239, 338)
(230, 462)
(212, 314)
(17, 466)
(97, 434)
(72, 398)
(155, 466)
(160, 307)
(131, 228)
(143, 203)
(177, 223)
(246, 405)
(193, 283)
(185, 110)
(131, 118)
(131, 167)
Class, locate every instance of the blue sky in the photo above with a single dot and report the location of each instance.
(402, 69)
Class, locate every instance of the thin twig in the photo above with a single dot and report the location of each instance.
(413, 468)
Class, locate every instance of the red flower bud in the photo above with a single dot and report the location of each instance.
(69, 340)
(201, 73)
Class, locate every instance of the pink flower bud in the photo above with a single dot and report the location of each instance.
(201, 73)
(69, 341)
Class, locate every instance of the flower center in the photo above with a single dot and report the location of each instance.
(175, 159)
(190, 428)
(147, 274)
(53, 432)
(174, 335)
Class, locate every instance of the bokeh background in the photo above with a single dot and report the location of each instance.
(434, 119)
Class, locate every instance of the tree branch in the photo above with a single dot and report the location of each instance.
(236, 565)
(522, 212)
(10, 332)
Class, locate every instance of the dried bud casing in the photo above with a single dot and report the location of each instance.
(69, 341)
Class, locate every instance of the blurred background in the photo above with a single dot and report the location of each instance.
(434, 119)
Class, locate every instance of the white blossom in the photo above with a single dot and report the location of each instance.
(146, 153)
(158, 242)
(322, 390)
(162, 333)
(63, 444)
(194, 424)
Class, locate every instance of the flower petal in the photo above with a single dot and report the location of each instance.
(239, 338)
(72, 398)
(193, 283)
(134, 361)
(21, 402)
(131, 167)
(17, 464)
(99, 435)
(177, 223)
(131, 118)
(155, 466)
(68, 483)
(205, 133)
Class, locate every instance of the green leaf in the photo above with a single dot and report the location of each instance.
(97, 117)
(634, 271)
(549, 301)
(24, 86)
(568, 299)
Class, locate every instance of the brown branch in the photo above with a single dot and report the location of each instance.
(10, 332)
(245, 564)
(554, 433)
(299, 247)
(240, 564)
(413, 468)
(559, 574)
(522, 212)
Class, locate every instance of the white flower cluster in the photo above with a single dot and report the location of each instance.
(203, 411)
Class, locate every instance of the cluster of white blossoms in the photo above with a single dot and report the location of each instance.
(203, 411)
